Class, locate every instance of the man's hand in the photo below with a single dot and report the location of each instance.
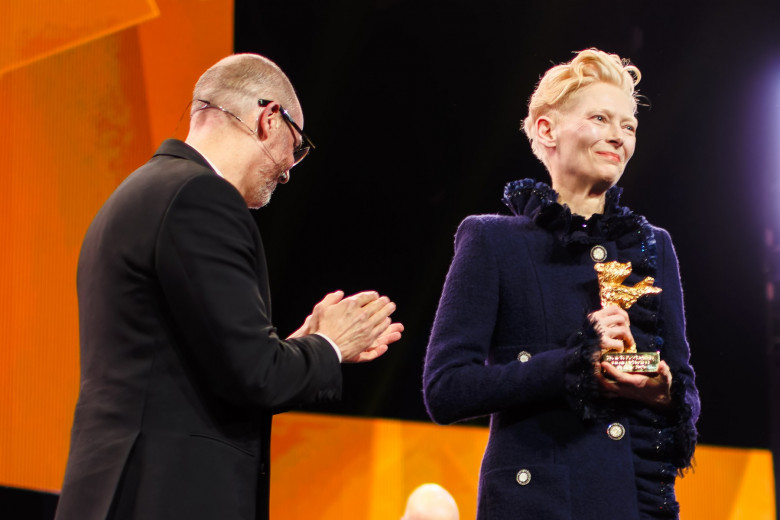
(380, 346)
(303, 330)
(359, 325)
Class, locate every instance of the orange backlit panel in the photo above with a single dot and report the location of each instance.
(95, 86)
(36, 29)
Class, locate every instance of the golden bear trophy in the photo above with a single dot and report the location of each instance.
(612, 292)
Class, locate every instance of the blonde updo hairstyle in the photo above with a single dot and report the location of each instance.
(560, 82)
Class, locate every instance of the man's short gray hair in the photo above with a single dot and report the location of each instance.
(238, 81)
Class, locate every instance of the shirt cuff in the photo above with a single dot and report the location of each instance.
(332, 344)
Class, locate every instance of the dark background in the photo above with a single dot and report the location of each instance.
(415, 108)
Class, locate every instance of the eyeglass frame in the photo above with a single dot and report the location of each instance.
(299, 153)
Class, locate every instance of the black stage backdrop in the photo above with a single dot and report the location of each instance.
(415, 107)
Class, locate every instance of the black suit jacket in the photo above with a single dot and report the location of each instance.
(181, 368)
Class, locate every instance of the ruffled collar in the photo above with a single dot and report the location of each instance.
(538, 201)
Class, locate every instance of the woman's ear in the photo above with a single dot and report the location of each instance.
(545, 131)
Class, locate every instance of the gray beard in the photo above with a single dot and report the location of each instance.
(267, 180)
(263, 194)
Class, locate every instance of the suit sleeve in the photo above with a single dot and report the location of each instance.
(458, 381)
(211, 269)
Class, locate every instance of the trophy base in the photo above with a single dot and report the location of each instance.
(634, 362)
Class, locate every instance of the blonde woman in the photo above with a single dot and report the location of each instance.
(520, 329)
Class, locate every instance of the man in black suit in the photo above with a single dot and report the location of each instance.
(181, 368)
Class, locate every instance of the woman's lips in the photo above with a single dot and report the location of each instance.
(610, 155)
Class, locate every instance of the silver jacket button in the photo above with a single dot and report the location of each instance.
(523, 356)
(598, 253)
(523, 477)
(616, 431)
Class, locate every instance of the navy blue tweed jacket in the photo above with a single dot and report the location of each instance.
(512, 340)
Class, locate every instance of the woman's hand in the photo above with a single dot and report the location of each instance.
(654, 391)
(613, 326)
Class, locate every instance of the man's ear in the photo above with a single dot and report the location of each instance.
(546, 134)
(269, 120)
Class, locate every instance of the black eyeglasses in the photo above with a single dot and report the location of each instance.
(300, 151)
(303, 149)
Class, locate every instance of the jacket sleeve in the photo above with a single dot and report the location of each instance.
(681, 421)
(211, 269)
(459, 381)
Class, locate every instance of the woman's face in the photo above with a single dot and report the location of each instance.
(595, 136)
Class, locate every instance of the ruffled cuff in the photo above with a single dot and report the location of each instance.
(684, 434)
(582, 389)
(674, 430)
